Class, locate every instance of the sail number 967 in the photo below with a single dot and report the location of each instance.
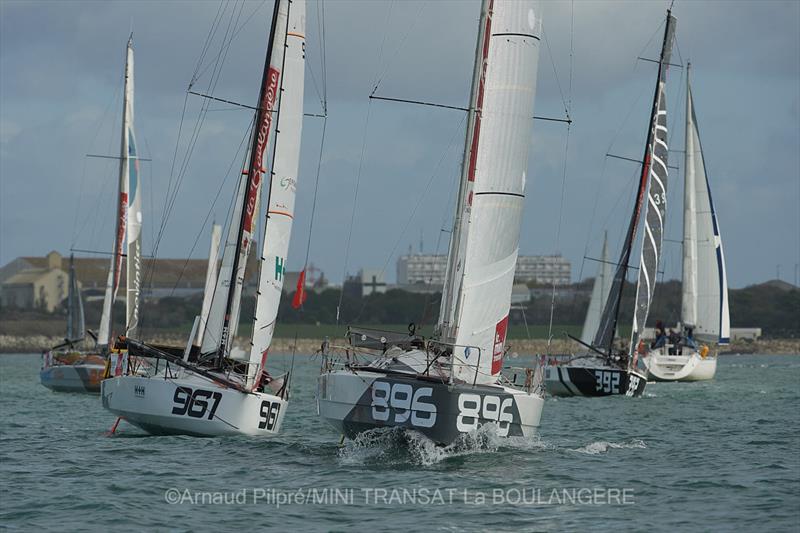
(195, 403)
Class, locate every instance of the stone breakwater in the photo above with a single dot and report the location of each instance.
(38, 343)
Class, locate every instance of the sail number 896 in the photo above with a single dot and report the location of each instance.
(407, 404)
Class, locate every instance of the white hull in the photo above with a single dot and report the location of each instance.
(192, 405)
(691, 367)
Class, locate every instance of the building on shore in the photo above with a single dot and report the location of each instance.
(429, 269)
(41, 282)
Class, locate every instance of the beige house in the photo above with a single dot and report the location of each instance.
(37, 288)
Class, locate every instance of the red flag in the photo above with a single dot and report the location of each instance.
(300, 294)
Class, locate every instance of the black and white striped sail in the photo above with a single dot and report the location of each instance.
(485, 241)
(649, 209)
(655, 212)
(704, 304)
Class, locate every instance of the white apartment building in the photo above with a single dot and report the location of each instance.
(430, 269)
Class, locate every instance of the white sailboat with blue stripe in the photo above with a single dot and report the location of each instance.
(705, 317)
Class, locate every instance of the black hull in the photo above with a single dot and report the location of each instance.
(567, 380)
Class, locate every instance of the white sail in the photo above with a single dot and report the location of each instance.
(600, 290)
(115, 269)
(211, 279)
(485, 245)
(130, 170)
(283, 187)
(223, 318)
(212, 333)
(689, 274)
(711, 319)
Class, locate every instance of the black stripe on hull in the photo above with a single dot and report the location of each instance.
(445, 413)
(593, 381)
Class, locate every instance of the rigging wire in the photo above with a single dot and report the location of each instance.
(567, 110)
(324, 102)
(458, 129)
(360, 167)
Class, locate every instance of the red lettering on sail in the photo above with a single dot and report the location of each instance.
(500, 331)
(121, 224)
(267, 104)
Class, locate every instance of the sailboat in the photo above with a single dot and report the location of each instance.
(705, 315)
(608, 369)
(85, 372)
(451, 385)
(65, 367)
(201, 390)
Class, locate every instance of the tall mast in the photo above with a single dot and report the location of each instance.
(112, 285)
(252, 183)
(608, 326)
(130, 171)
(454, 273)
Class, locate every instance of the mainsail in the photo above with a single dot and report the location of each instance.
(704, 304)
(283, 182)
(653, 186)
(127, 161)
(485, 241)
(75, 318)
(600, 290)
(224, 315)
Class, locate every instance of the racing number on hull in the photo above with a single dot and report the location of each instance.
(269, 415)
(407, 403)
(195, 403)
(607, 381)
(470, 412)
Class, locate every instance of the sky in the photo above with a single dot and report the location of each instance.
(61, 68)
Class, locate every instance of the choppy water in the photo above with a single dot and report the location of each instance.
(705, 456)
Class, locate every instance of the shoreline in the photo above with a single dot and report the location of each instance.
(38, 343)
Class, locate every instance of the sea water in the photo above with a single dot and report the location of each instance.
(714, 455)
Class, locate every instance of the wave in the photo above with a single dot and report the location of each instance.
(602, 446)
(404, 446)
